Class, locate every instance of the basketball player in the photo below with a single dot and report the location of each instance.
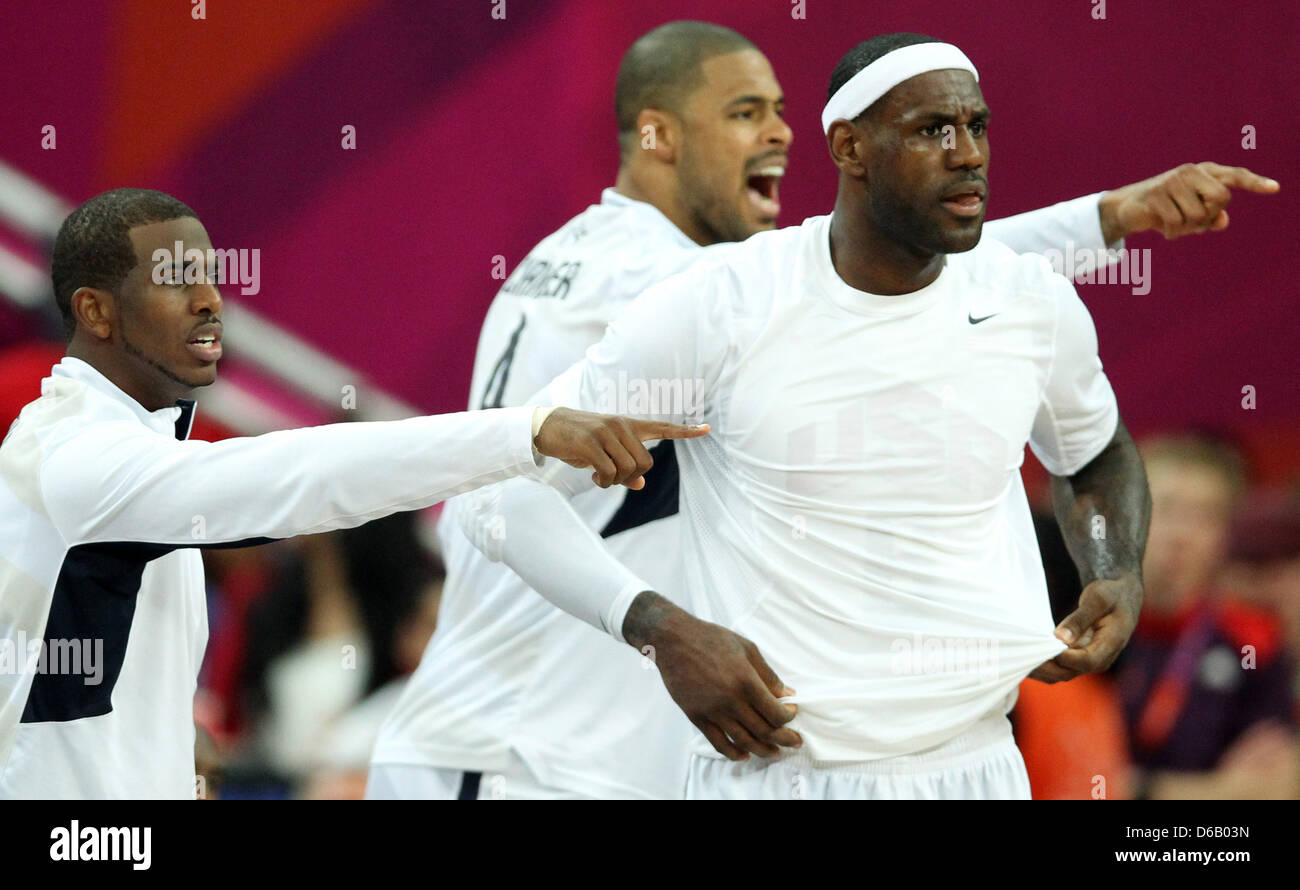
(512, 699)
(103, 620)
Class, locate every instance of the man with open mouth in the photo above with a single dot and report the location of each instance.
(513, 698)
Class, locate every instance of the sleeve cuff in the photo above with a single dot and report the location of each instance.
(1092, 253)
(1089, 209)
(518, 430)
(1087, 212)
(1067, 465)
(538, 417)
(616, 613)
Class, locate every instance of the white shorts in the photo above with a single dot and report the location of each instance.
(404, 781)
(981, 764)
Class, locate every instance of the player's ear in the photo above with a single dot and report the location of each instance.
(848, 148)
(659, 132)
(94, 309)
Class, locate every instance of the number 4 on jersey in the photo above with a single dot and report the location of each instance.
(494, 392)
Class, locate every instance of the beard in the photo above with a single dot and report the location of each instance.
(712, 212)
(139, 354)
(919, 225)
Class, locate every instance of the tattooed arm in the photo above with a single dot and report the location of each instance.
(1103, 510)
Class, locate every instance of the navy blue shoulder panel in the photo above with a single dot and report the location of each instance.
(657, 500)
(94, 599)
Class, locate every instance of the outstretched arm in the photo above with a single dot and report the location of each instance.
(122, 482)
(1186, 199)
(1058, 228)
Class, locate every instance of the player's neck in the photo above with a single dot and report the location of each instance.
(869, 260)
(127, 374)
(663, 195)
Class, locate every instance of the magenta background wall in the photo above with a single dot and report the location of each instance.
(477, 137)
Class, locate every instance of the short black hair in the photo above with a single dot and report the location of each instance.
(93, 247)
(663, 67)
(869, 51)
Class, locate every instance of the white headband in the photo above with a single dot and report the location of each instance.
(887, 72)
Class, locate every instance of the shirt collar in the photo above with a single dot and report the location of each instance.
(611, 198)
(174, 421)
(859, 301)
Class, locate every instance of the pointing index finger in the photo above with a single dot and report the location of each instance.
(645, 430)
(1240, 177)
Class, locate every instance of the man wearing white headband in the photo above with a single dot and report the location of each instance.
(513, 698)
(858, 512)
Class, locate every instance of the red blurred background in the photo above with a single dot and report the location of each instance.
(476, 136)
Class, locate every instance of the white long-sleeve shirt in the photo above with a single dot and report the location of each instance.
(509, 672)
(102, 503)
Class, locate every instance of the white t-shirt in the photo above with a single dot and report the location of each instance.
(506, 669)
(857, 510)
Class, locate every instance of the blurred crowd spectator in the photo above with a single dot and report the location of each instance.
(1203, 701)
(311, 640)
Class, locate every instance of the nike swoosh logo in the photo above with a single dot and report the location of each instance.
(973, 320)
